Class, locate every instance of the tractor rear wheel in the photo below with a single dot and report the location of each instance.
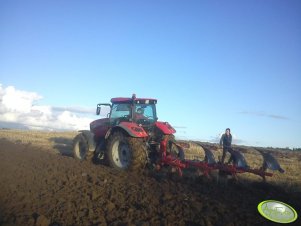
(126, 153)
(81, 148)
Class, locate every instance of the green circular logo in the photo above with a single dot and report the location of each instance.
(277, 211)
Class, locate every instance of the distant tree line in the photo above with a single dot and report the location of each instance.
(283, 149)
(296, 149)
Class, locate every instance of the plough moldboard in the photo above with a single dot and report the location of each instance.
(237, 165)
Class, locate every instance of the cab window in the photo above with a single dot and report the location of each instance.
(120, 110)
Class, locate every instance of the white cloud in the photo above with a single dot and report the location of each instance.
(17, 108)
(76, 109)
(16, 100)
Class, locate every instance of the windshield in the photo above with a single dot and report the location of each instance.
(142, 113)
(120, 111)
(145, 113)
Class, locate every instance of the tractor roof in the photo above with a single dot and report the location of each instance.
(130, 100)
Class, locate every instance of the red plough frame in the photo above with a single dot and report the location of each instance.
(209, 164)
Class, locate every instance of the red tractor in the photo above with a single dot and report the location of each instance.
(129, 137)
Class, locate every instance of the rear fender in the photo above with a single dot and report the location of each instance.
(165, 127)
(130, 128)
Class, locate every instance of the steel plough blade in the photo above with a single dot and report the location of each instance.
(209, 157)
(269, 162)
(239, 159)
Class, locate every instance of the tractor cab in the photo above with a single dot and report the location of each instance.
(137, 116)
(138, 110)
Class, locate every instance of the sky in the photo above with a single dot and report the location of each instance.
(211, 65)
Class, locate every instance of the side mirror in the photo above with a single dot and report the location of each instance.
(98, 110)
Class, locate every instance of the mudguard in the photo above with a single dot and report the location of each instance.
(131, 128)
(90, 139)
(165, 127)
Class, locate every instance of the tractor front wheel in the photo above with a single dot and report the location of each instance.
(81, 148)
(126, 153)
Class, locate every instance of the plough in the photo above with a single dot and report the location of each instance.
(208, 164)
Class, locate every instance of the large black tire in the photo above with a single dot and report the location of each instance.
(81, 148)
(125, 152)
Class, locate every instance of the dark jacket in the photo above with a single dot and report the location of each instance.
(226, 140)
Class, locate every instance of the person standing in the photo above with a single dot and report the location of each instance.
(226, 141)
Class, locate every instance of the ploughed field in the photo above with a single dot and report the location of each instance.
(42, 184)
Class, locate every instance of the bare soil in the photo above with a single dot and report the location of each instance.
(46, 187)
